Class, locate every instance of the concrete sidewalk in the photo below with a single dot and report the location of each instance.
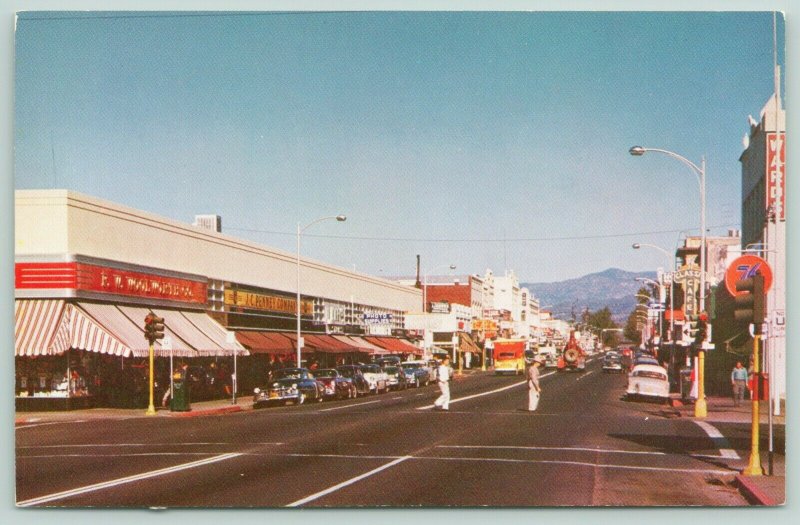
(759, 490)
(202, 408)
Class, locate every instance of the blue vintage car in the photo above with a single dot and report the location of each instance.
(416, 374)
(289, 384)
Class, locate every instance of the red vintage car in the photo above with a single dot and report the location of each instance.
(335, 385)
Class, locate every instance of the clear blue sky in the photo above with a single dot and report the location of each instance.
(418, 126)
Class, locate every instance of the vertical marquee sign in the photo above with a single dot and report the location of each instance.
(776, 181)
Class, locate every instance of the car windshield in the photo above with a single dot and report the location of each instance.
(346, 372)
(325, 373)
(370, 369)
(391, 370)
(411, 366)
(290, 373)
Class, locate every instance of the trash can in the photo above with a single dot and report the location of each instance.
(179, 401)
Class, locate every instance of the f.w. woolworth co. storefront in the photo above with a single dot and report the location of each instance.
(88, 271)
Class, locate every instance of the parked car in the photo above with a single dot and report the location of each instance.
(429, 365)
(644, 359)
(416, 373)
(289, 384)
(335, 386)
(433, 369)
(397, 378)
(649, 381)
(389, 360)
(354, 374)
(612, 362)
(376, 377)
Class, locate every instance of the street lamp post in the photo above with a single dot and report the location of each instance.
(700, 407)
(660, 287)
(672, 259)
(425, 287)
(300, 230)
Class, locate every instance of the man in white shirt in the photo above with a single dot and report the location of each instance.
(443, 402)
(534, 389)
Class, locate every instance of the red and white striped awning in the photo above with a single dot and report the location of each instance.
(86, 334)
(51, 327)
(35, 325)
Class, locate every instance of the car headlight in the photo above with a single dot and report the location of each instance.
(275, 385)
(256, 391)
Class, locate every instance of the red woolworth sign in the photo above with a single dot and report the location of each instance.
(745, 267)
(88, 277)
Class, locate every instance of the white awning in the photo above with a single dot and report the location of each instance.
(214, 340)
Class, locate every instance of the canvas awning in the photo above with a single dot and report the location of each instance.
(265, 342)
(53, 326)
(359, 344)
(327, 344)
(394, 345)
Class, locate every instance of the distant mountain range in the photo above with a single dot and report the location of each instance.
(614, 288)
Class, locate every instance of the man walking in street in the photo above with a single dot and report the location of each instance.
(534, 390)
(443, 372)
(739, 383)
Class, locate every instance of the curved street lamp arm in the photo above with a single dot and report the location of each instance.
(304, 228)
(698, 172)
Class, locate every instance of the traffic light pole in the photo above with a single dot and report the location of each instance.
(754, 467)
(151, 409)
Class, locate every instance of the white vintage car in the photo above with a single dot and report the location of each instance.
(648, 380)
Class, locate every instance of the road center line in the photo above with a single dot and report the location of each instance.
(428, 407)
(346, 483)
(175, 444)
(586, 374)
(559, 449)
(716, 435)
(122, 481)
(348, 406)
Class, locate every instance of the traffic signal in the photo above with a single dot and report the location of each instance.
(749, 305)
(702, 330)
(153, 327)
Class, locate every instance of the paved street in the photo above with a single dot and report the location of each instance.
(584, 446)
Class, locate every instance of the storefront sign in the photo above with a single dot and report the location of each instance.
(373, 318)
(440, 308)
(88, 277)
(273, 303)
(484, 324)
(776, 182)
(745, 267)
(689, 278)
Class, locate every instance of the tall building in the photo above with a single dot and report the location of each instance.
(764, 225)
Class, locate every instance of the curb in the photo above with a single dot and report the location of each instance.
(752, 493)
(208, 412)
